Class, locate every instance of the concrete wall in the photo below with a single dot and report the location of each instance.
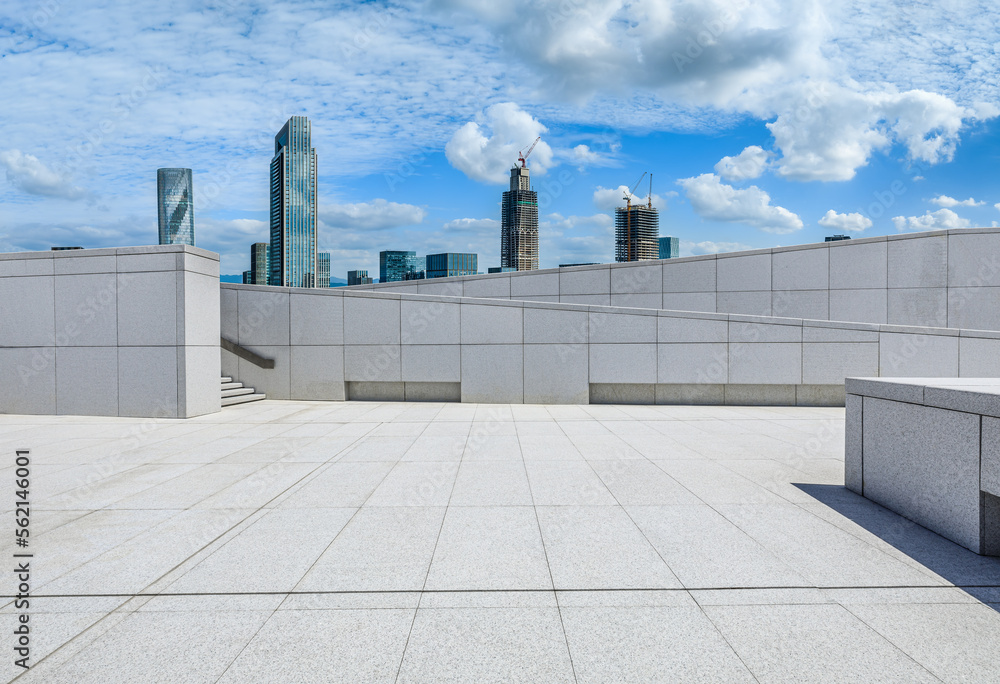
(110, 332)
(939, 279)
(338, 344)
(928, 450)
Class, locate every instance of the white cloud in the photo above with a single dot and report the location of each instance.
(827, 131)
(377, 215)
(584, 155)
(997, 206)
(942, 219)
(26, 172)
(716, 201)
(485, 149)
(848, 223)
(945, 201)
(748, 164)
(710, 247)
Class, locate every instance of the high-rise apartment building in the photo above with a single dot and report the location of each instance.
(519, 223)
(323, 269)
(292, 254)
(259, 272)
(175, 206)
(358, 278)
(393, 265)
(452, 264)
(670, 247)
(637, 228)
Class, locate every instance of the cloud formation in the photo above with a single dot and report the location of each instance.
(26, 172)
(379, 214)
(485, 149)
(716, 201)
(848, 223)
(748, 164)
(945, 201)
(711, 247)
(942, 219)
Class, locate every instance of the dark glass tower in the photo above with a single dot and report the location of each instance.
(258, 263)
(292, 254)
(175, 206)
(519, 223)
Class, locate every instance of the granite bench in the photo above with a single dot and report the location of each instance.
(929, 449)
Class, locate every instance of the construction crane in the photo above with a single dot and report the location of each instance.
(628, 213)
(523, 157)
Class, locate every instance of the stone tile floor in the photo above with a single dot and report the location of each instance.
(382, 542)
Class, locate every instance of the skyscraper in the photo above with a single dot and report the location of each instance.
(519, 223)
(636, 230)
(669, 247)
(358, 278)
(259, 273)
(393, 265)
(175, 206)
(323, 269)
(292, 253)
(452, 264)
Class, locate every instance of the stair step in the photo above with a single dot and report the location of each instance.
(225, 379)
(243, 399)
(237, 392)
(231, 385)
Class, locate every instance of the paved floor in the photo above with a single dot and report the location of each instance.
(366, 542)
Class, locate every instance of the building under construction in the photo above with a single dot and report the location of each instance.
(519, 223)
(637, 229)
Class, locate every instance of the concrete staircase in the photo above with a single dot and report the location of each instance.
(234, 393)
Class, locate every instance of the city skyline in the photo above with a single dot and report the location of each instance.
(840, 123)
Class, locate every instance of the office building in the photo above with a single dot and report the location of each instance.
(519, 223)
(451, 264)
(259, 272)
(393, 265)
(358, 278)
(248, 277)
(637, 230)
(292, 253)
(669, 247)
(588, 263)
(500, 269)
(323, 269)
(175, 206)
(415, 275)
(837, 238)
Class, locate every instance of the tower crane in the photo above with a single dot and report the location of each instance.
(523, 157)
(628, 214)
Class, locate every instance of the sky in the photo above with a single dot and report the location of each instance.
(762, 124)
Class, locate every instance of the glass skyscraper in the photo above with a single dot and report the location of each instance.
(175, 206)
(394, 265)
(292, 256)
(669, 247)
(323, 269)
(259, 273)
(452, 264)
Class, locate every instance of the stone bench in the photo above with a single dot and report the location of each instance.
(929, 449)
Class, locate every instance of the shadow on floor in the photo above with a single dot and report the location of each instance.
(977, 575)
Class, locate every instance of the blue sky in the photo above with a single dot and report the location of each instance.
(763, 124)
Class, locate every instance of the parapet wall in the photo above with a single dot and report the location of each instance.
(337, 344)
(110, 332)
(947, 279)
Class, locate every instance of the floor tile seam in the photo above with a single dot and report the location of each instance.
(723, 464)
(546, 590)
(889, 641)
(124, 615)
(66, 492)
(636, 525)
(263, 510)
(920, 567)
(444, 516)
(545, 552)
